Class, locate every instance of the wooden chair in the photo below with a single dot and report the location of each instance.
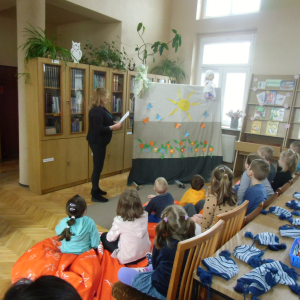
(253, 215)
(270, 200)
(234, 220)
(200, 247)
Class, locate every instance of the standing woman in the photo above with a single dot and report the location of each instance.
(101, 125)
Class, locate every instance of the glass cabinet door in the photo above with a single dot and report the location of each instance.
(52, 103)
(77, 106)
(100, 79)
(117, 96)
(131, 102)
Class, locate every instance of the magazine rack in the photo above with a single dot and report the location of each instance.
(272, 117)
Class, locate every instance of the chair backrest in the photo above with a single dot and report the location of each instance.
(200, 247)
(234, 220)
(270, 200)
(254, 214)
(285, 187)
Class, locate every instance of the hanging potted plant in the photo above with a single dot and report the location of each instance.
(170, 68)
(38, 45)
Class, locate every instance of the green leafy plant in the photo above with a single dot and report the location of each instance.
(106, 55)
(169, 68)
(38, 45)
(158, 46)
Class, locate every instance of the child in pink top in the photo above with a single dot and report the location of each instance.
(128, 238)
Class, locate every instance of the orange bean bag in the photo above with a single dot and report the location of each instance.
(91, 273)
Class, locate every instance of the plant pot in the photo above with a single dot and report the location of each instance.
(234, 123)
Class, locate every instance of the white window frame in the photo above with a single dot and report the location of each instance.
(223, 69)
(230, 14)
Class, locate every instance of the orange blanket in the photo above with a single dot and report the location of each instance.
(92, 273)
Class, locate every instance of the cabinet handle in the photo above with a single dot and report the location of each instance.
(67, 101)
(108, 154)
(68, 162)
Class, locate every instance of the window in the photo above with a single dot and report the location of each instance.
(219, 8)
(230, 58)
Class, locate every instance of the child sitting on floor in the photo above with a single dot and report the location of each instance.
(288, 161)
(158, 202)
(128, 238)
(174, 227)
(220, 198)
(295, 146)
(245, 182)
(194, 198)
(256, 193)
(266, 152)
(77, 232)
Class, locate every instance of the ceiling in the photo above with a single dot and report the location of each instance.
(58, 12)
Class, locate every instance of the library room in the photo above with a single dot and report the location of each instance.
(161, 138)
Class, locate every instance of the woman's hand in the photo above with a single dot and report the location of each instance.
(116, 126)
(151, 196)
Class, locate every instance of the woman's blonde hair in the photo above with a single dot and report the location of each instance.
(222, 178)
(98, 96)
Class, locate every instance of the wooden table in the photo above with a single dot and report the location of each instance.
(262, 223)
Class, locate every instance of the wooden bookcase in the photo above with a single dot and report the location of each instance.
(249, 141)
(56, 114)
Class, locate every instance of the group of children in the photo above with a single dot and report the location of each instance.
(128, 239)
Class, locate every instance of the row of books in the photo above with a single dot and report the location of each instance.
(131, 103)
(277, 113)
(272, 128)
(117, 104)
(76, 105)
(77, 79)
(99, 81)
(52, 76)
(77, 125)
(117, 83)
(52, 104)
(53, 126)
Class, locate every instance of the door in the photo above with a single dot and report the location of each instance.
(54, 163)
(77, 159)
(9, 122)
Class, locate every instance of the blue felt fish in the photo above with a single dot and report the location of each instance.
(186, 133)
(158, 117)
(149, 106)
(206, 114)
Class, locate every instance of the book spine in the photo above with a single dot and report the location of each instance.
(73, 127)
(77, 126)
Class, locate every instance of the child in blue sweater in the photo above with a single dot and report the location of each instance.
(256, 193)
(77, 232)
(174, 227)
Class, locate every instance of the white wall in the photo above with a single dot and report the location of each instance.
(277, 26)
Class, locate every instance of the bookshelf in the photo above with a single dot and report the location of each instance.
(162, 79)
(271, 105)
(57, 156)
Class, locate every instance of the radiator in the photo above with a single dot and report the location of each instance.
(228, 145)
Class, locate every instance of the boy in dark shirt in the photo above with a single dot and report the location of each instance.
(267, 152)
(256, 193)
(160, 201)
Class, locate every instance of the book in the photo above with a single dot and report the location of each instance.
(272, 128)
(277, 114)
(287, 84)
(256, 126)
(260, 112)
(270, 97)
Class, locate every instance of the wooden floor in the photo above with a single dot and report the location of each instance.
(27, 218)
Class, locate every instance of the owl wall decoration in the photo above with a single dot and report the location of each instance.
(76, 52)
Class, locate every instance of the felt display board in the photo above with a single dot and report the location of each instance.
(176, 134)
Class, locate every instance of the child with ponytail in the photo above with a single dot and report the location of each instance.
(154, 280)
(77, 232)
(221, 197)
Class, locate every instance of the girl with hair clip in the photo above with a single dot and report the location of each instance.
(77, 232)
(154, 280)
(288, 161)
(220, 197)
(128, 238)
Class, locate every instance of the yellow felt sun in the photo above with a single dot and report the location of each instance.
(183, 104)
